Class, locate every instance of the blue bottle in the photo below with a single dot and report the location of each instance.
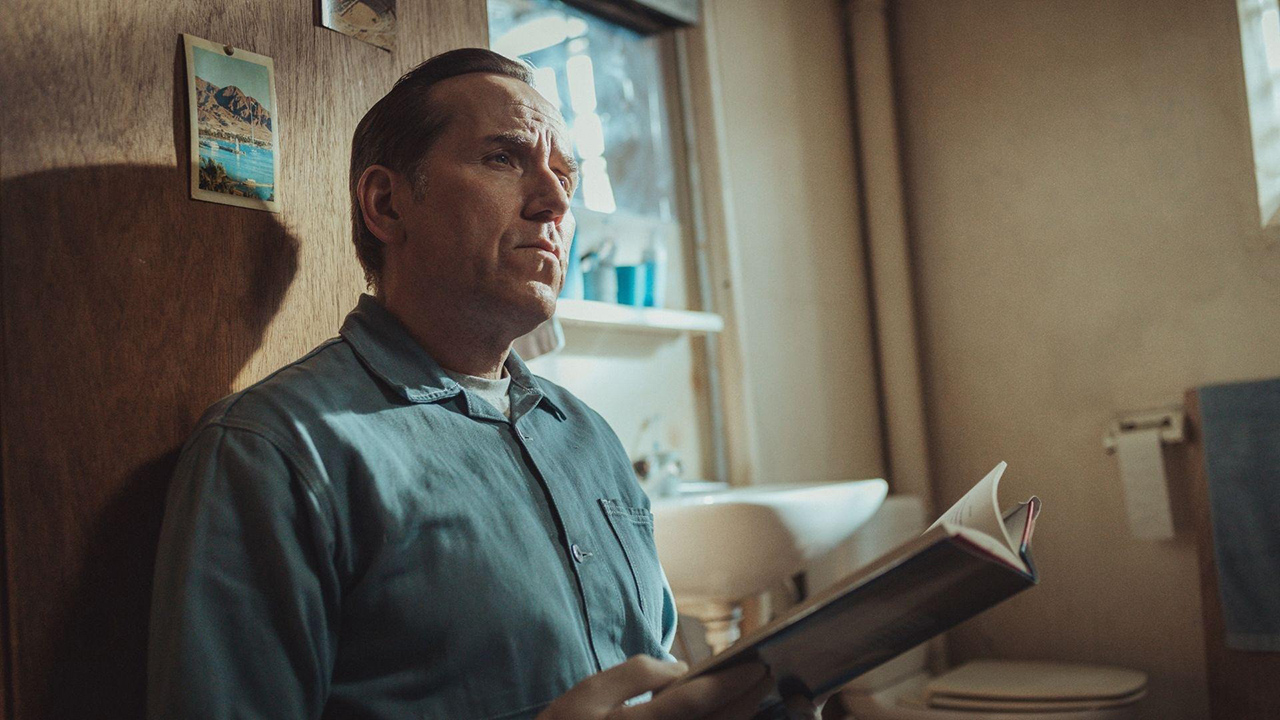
(654, 262)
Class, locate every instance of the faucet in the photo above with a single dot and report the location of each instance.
(659, 469)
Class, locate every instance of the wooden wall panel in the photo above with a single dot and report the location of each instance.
(129, 308)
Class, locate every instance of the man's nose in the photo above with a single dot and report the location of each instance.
(548, 201)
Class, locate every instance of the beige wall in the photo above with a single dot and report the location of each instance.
(805, 335)
(1083, 218)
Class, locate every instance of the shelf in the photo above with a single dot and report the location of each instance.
(591, 313)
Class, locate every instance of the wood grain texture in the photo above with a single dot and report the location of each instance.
(1242, 685)
(129, 308)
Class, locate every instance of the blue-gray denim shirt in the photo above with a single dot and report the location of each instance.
(358, 537)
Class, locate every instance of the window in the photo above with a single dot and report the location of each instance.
(613, 87)
(1260, 46)
(620, 92)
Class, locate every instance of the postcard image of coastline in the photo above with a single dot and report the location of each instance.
(235, 149)
(373, 21)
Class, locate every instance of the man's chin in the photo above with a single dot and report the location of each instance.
(546, 295)
(534, 307)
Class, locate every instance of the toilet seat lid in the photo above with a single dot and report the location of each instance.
(944, 702)
(1020, 682)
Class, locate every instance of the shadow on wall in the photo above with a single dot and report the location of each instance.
(128, 309)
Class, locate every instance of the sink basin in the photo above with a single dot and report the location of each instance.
(729, 545)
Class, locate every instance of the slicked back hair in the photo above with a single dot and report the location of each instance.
(400, 128)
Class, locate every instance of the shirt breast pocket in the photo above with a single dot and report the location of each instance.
(633, 527)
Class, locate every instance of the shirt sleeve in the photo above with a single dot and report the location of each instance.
(669, 616)
(245, 600)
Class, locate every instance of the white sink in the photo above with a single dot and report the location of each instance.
(729, 545)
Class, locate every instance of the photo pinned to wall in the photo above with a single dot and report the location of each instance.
(372, 21)
(235, 149)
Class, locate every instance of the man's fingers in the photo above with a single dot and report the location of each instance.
(705, 695)
(745, 705)
(638, 675)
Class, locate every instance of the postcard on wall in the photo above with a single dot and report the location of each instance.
(373, 21)
(235, 148)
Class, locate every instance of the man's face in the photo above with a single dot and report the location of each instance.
(492, 228)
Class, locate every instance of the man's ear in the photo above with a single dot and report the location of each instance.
(377, 193)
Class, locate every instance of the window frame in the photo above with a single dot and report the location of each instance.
(701, 164)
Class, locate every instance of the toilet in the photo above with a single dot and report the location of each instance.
(994, 690)
(903, 689)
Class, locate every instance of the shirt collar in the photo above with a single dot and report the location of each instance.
(390, 352)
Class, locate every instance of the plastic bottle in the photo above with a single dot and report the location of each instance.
(654, 261)
(600, 278)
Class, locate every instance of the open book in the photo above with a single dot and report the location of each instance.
(973, 557)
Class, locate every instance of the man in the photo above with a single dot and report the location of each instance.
(405, 522)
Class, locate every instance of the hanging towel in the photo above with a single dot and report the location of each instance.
(1241, 435)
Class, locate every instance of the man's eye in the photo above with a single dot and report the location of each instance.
(564, 183)
(502, 158)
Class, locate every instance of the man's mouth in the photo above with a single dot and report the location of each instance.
(541, 244)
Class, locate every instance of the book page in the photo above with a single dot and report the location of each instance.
(979, 510)
(991, 546)
(1020, 522)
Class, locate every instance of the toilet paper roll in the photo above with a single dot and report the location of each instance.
(1146, 492)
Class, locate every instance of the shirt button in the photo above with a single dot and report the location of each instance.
(578, 554)
(526, 434)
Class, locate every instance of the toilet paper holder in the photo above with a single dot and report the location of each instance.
(1171, 422)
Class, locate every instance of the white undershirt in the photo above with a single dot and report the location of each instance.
(494, 392)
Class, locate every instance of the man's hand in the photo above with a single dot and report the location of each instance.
(727, 695)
